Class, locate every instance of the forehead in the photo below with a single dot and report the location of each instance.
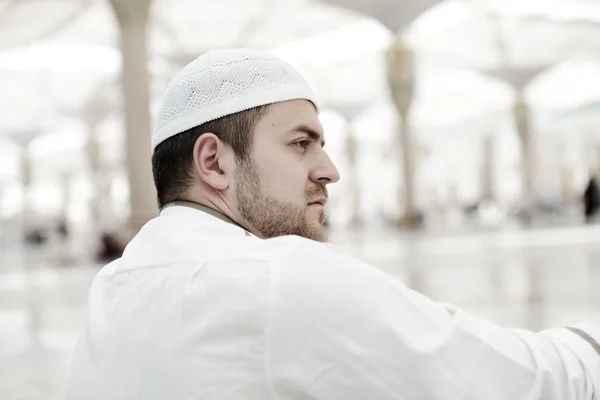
(287, 116)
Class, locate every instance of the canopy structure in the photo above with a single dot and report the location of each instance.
(473, 61)
(512, 41)
(65, 71)
(396, 15)
(24, 21)
(64, 68)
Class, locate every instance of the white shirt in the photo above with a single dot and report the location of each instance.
(197, 309)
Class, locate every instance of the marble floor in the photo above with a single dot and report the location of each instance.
(529, 279)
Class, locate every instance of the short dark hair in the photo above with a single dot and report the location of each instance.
(172, 159)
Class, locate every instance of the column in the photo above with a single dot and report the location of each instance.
(132, 16)
(566, 184)
(102, 176)
(487, 170)
(26, 173)
(354, 180)
(95, 168)
(57, 246)
(523, 125)
(401, 80)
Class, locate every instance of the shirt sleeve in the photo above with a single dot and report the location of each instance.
(339, 328)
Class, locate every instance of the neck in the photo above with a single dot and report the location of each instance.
(223, 213)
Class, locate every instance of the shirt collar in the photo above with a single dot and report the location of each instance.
(204, 209)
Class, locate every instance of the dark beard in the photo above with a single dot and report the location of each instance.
(272, 217)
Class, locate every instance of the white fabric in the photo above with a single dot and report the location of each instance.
(223, 82)
(196, 309)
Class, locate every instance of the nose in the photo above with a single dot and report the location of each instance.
(325, 172)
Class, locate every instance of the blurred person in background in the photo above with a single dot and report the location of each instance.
(110, 247)
(231, 293)
(591, 199)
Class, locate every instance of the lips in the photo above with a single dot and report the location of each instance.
(322, 201)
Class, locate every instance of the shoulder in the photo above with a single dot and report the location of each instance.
(294, 254)
(297, 266)
(307, 273)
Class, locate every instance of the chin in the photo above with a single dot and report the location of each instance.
(319, 233)
(322, 238)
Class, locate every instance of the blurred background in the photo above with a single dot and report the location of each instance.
(467, 133)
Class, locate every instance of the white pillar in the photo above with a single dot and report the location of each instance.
(26, 172)
(93, 157)
(354, 180)
(101, 208)
(132, 16)
(487, 170)
(57, 246)
(65, 184)
(528, 163)
(401, 79)
(566, 183)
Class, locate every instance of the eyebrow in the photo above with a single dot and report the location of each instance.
(314, 135)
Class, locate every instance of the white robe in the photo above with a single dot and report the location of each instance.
(198, 309)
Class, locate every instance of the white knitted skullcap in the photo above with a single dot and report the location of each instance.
(223, 82)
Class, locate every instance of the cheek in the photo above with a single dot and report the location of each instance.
(283, 180)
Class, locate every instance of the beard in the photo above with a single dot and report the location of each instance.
(272, 217)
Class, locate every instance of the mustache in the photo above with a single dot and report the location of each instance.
(316, 191)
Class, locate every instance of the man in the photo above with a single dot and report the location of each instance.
(230, 294)
(591, 199)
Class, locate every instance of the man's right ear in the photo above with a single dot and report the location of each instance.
(212, 160)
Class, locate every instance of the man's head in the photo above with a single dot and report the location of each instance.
(264, 167)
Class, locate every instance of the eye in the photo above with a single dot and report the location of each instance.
(303, 143)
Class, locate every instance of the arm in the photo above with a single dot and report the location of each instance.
(340, 329)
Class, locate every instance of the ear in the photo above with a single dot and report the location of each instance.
(212, 161)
